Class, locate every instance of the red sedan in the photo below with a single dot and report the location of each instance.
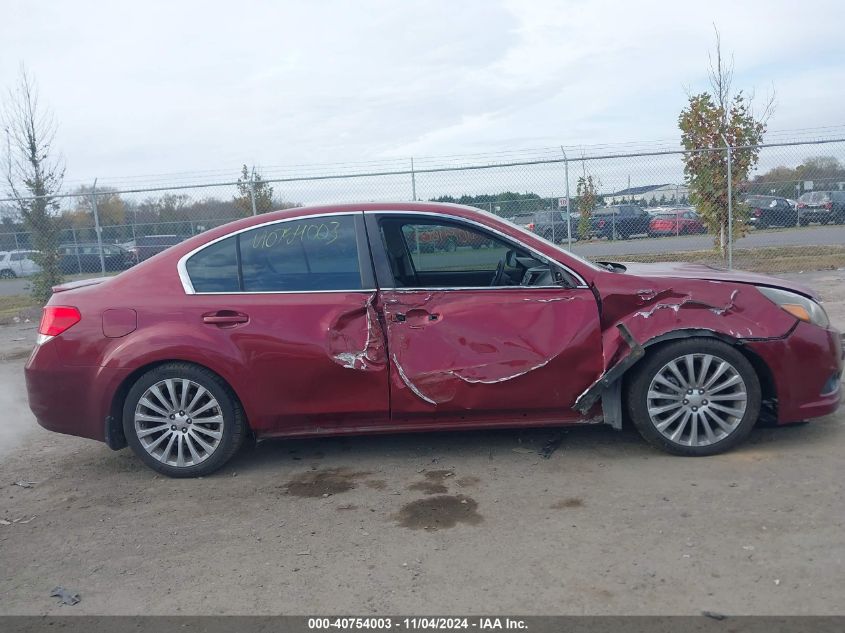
(332, 320)
(676, 222)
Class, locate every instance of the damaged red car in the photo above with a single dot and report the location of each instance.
(335, 320)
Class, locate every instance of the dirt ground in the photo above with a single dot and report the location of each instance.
(442, 523)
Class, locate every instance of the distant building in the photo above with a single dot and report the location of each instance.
(668, 192)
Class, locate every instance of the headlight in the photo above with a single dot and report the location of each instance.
(797, 305)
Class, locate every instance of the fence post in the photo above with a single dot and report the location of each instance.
(252, 191)
(413, 181)
(730, 207)
(568, 202)
(97, 228)
(76, 249)
(17, 244)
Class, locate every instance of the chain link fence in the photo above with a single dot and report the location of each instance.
(788, 215)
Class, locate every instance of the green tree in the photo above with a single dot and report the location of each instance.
(34, 175)
(709, 121)
(249, 185)
(587, 200)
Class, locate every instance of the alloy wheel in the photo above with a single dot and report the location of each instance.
(179, 422)
(697, 399)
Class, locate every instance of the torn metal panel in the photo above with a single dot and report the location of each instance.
(409, 384)
(611, 376)
(346, 328)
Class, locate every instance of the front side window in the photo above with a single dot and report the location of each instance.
(299, 255)
(439, 254)
(444, 247)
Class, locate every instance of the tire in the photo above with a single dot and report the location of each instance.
(157, 450)
(721, 436)
(7, 274)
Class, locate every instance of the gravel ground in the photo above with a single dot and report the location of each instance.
(438, 523)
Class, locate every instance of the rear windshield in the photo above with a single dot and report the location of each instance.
(752, 200)
(814, 197)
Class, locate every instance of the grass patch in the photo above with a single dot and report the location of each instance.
(12, 306)
(772, 259)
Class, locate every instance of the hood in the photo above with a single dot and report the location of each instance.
(682, 270)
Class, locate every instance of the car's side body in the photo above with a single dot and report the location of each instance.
(619, 221)
(824, 207)
(765, 211)
(675, 222)
(18, 263)
(385, 353)
(86, 258)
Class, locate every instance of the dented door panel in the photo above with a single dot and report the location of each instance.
(510, 354)
(309, 363)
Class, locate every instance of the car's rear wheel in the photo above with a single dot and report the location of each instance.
(182, 420)
(694, 397)
(7, 274)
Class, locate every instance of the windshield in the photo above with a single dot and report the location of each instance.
(557, 247)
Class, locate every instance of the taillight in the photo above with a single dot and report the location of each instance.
(57, 319)
(601, 224)
(758, 212)
(801, 205)
(828, 205)
(530, 226)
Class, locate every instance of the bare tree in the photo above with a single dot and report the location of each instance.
(34, 175)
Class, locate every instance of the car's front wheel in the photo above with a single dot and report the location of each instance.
(694, 397)
(182, 420)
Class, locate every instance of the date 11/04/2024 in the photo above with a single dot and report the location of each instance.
(417, 623)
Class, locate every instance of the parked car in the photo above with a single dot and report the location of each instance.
(430, 239)
(85, 258)
(18, 263)
(326, 320)
(825, 207)
(146, 246)
(619, 221)
(766, 211)
(676, 222)
(550, 224)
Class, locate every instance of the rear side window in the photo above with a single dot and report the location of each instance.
(298, 255)
(215, 268)
(307, 254)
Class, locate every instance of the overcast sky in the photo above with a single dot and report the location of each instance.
(158, 87)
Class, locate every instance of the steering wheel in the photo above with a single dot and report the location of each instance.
(499, 274)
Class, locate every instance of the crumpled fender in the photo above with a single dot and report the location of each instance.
(645, 314)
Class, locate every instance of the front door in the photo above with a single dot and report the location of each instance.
(480, 334)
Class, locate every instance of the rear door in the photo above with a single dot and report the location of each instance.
(465, 351)
(295, 301)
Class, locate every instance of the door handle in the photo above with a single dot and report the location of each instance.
(401, 317)
(224, 318)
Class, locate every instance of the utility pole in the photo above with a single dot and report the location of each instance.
(252, 191)
(97, 228)
(568, 201)
(413, 181)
